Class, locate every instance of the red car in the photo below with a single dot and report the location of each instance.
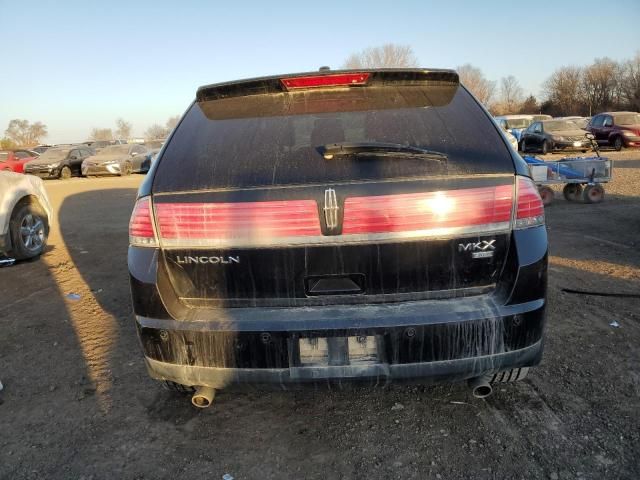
(616, 129)
(14, 160)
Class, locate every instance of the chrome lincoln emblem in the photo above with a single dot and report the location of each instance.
(331, 208)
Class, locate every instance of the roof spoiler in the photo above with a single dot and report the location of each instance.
(328, 79)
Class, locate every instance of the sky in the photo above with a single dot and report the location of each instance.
(79, 65)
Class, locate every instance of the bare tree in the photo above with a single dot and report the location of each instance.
(599, 82)
(386, 56)
(630, 82)
(510, 94)
(123, 129)
(473, 78)
(155, 132)
(101, 134)
(23, 133)
(563, 90)
(172, 122)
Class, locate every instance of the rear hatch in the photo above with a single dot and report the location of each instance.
(333, 188)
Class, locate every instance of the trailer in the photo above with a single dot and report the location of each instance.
(583, 177)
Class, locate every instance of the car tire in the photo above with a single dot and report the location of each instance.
(177, 387)
(618, 144)
(29, 230)
(545, 147)
(512, 375)
(65, 173)
(547, 194)
(593, 193)
(572, 192)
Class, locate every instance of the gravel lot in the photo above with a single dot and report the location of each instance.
(77, 402)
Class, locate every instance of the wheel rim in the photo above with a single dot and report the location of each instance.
(32, 232)
(618, 143)
(65, 172)
(573, 191)
(595, 194)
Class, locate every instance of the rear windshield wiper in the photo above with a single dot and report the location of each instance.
(332, 150)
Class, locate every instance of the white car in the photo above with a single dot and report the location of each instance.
(25, 215)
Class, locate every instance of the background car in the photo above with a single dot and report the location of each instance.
(616, 129)
(149, 158)
(59, 162)
(515, 124)
(115, 160)
(581, 122)
(40, 149)
(512, 140)
(15, 160)
(550, 135)
(25, 215)
(97, 144)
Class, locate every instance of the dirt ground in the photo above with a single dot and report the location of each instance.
(77, 402)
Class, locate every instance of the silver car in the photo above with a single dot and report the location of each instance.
(115, 160)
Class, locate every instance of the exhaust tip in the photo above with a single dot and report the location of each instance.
(480, 386)
(482, 391)
(203, 397)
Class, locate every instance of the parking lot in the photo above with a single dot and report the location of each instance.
(77, 402)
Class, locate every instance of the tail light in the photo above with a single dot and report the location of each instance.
(141, 231)
(432, 213)
(296, 222)
(237, 224)
(529, 207)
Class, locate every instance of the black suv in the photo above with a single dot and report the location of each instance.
(369, 225)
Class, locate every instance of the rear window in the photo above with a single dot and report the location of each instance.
(209, 153)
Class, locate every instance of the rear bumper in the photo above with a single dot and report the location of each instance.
(378, 374)
(429, 341)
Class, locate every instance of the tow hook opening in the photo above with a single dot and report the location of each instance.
(203, 397)
(480, 386)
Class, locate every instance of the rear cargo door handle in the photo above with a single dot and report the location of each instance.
(335, 284)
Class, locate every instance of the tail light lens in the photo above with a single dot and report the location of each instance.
(237, 224)
(141, 231)
(529, 207)
(431, 213)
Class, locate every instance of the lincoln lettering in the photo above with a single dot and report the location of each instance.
(185, 260)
